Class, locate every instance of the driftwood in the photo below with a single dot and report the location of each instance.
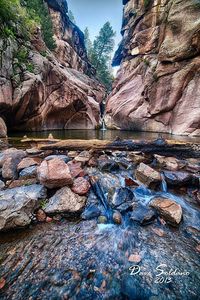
(159, 146)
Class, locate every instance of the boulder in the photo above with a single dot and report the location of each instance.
(117, 217)
(122, 195)
(9, 160)
(75, 169)
(147, 175)
(142, 215)
(28, 162)
(92, 211)
(54, 173)
(178, 178)
(65, 201)
(65, 158)
(17, 205)
(168, 209)
(30, 172)
(170, 163)
(21, 182)
(2, 184)
(80, 186)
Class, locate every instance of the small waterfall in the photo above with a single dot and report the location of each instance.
(103, 124)
(163, 183)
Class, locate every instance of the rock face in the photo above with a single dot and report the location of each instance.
(158, 84)
(46, 84)
(65, 201)
(9, 162)
(54, 173)
(17, 205)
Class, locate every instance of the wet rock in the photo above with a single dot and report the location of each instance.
(28, 162)
(134, 258)
(63, 201)
(108, 165)
(54, 173)
(168, 209)
(75, 169)
(148, 175)
(9, 161)
(65, 158)
(83, 157)
(40, 215)
(136, 157)
(72, 154)
(21, 182)
(142, 215)
(80, 186)
(178, 178)
(2, 184)
(117, 218)
(29, 172)
(92, 162)
(131, 182)
(91, 212)
(17, 205)
(170, 163)
(158, 231)
(122, 195)
(102, 220)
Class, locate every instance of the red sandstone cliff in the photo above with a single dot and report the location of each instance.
(50, 90)
(158, 84)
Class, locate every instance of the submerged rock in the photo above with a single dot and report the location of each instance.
(2, 184)
(17, 205)
(117, 217)
(122, 195)
(148, 175)
(40, 215)
(168, 209)
(80, 186)
(63, 201)
(91, 212)
(143, 215)
(102, 220)
(54, 173)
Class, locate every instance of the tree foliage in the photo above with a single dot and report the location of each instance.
(99, 53)
(22, 16)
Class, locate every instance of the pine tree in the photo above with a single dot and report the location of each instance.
(99, 53)
(71, 17)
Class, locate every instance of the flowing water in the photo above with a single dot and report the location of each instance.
(81, 259)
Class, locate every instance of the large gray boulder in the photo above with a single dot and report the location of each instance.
(18, 204)
(65, 201)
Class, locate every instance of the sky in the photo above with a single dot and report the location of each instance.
(95, 13)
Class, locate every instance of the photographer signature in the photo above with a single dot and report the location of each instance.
(163, 273)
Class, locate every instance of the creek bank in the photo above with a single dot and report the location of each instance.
(105, 208)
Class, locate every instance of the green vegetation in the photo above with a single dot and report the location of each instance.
(21, 18)
(99, 53)
(22, 57)
(146, 2)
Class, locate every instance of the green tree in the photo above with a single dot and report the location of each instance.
(71, 16)
(38, 10)
(88, 42)
(99, 54)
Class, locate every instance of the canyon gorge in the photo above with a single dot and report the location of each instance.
(158, 85)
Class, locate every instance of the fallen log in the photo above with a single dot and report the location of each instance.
(159, 146)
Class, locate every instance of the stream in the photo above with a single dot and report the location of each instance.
(82, 258)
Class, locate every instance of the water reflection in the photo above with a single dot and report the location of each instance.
(100, 134)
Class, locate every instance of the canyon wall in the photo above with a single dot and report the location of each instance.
(43, 90)
(158, 85)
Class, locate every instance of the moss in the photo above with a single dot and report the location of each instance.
(30, 67)
(146, 62)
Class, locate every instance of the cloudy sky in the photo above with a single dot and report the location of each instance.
(94, 13)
